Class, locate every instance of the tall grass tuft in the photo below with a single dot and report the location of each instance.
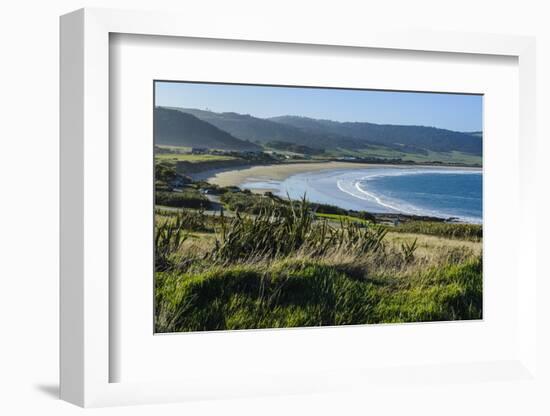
(192, 220)
(281, 231)
(408, 249)
(169, 237)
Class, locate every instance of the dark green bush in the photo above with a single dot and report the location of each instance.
(188, 198)
(247, 202)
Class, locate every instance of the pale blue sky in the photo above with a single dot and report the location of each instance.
(458, 112)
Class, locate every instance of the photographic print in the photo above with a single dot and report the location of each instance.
(289, 206)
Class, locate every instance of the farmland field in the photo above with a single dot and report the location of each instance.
(191, 158)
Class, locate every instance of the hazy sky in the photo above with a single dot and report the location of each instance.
(450, 111)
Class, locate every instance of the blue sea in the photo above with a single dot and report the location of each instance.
(438, 192)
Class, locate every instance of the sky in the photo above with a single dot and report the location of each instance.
(457, 112)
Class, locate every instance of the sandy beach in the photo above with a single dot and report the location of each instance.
(279, 172)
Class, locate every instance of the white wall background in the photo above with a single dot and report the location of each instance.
(29, 183)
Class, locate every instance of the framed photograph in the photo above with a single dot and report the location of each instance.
(280, 221)
(282, 213)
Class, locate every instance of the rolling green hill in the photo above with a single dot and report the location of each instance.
(233, 131)
(407, 138)
(262, 131)
(176, 128)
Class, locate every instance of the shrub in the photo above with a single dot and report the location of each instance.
(165, 172)
(189, 198)
(247, 202)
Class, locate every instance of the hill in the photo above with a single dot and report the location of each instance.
(263, 131)
(327, 134)
(408, 138)
(177, 128)
(475, 133)
(233, 131)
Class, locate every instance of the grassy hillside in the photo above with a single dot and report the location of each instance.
(176, 128)
(302, 293)
(284, 267)
(250, 128)
(411, 139)
(318, 138)
(381, 152)
(192, 158)
(264, 131)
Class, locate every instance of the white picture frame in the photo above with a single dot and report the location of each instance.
(85, 211)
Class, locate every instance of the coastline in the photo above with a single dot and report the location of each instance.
(279, 172)
(263, 175)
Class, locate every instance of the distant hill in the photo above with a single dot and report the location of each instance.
(411, 137)
(177, 128)
(233, 131)
(292, 147)
(260, 130)
(475, 133)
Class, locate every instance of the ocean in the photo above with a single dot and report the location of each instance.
(437, 192)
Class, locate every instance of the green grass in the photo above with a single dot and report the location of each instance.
(253, 203)
(284, 268)
(385, 153)
(280, 231)
(471, 232)
(293, 293)
(453, 156)
(180, 149)
(340, 217)
(191, 219)
(187, 157)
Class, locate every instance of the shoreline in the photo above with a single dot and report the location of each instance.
(227, 177)
(235, 176)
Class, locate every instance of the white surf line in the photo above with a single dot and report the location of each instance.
(339, 186)
(379, 201)
(419, 211)
(411, 172)
(371, 196)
